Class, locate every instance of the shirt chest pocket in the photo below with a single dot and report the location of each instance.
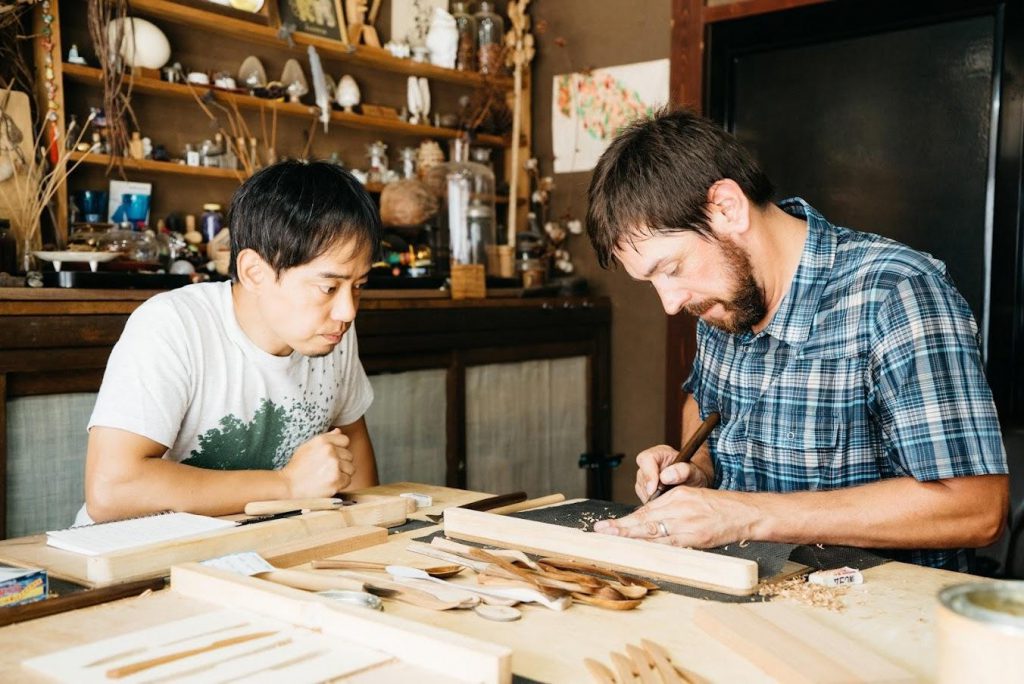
(801, 426)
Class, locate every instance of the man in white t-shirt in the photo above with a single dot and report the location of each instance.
(218, 394)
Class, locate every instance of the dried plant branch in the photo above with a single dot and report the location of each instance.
(35, 181)
(117, 84)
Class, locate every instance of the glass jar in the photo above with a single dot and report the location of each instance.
(465, 24)
(211, 222)
(133, 245)
(490, 36)
(377, 152)
(467, 189)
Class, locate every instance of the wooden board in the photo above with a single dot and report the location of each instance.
(790, 645)
(424, 646)
(685, 566)
(156, 559)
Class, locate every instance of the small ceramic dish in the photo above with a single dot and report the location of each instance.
(92, 258)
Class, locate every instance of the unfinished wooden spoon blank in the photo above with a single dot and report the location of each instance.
(599, 672)
(611, 604)
(498, 613)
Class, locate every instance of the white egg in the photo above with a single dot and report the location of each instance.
(143, 44)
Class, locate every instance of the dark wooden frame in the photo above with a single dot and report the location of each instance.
(692, 44)
(58, 342)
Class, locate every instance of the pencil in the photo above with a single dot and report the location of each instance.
(689, 449)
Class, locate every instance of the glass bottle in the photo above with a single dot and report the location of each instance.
(465, 24)
(467, 189)
(490, 35)
(211, 222)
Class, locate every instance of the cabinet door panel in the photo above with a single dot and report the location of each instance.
(407, 426)
(526, 425)
(46, 441)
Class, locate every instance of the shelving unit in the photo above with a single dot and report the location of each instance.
(228, 36)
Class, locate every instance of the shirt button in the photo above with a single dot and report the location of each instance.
(792, 435)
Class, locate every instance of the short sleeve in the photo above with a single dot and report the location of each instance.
(929, 388)
(145, 388)
(358, 393)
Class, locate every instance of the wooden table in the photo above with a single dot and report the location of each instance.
(892, 613)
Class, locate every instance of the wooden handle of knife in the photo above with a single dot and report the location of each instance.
(284, 505)
(529, 503)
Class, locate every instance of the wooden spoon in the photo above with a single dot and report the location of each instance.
(439, 571)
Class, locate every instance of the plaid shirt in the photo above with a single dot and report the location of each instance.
(869, 370)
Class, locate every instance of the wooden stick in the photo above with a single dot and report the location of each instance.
(530, 504)
(686, 566)
(134, 668)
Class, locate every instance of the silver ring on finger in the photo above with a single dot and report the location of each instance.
(662, 528)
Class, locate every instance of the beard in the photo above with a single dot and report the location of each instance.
(746, 306)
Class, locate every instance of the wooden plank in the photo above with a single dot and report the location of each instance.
(748, 8)
(156, 559)
(324, 545)
(686, 566)
(181, 91)
(792, 647)
(426, 646)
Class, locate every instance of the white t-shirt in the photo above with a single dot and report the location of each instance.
(184, 374)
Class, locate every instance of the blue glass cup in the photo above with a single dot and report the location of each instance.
(92, 204)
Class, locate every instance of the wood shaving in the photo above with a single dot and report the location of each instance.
(799, 590)
(744, 543)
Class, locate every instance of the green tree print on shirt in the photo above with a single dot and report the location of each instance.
(237, 445)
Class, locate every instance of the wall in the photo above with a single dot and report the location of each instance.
(600, 33)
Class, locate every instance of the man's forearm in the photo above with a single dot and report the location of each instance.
(156, 485)
(895, 513)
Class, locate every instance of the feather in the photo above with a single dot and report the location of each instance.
(323, 98)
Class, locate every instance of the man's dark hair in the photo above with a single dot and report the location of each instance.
(292, 212)
(655, 178)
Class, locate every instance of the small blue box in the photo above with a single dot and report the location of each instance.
(22, 585)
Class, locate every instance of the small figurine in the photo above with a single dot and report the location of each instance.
(398, 49)
(442, 39)
(74, 57)
(347, 95)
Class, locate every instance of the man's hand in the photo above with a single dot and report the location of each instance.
(321, 467)
(687, 516)
(653, 469)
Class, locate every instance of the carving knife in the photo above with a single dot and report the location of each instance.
(288, 505)
(485, 504)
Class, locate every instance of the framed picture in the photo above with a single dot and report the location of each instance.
(260, 11)
(323, 18)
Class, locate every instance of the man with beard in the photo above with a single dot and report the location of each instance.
(845, 366)
(218, 394)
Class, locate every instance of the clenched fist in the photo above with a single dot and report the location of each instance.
(321, 467)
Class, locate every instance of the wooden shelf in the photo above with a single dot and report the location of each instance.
(185, 170)
(229, 27)
(159, 166)
(153, 86)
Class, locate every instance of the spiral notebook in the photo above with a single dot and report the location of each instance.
(118, 535)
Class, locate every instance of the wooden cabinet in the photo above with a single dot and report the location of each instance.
(505, 392)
